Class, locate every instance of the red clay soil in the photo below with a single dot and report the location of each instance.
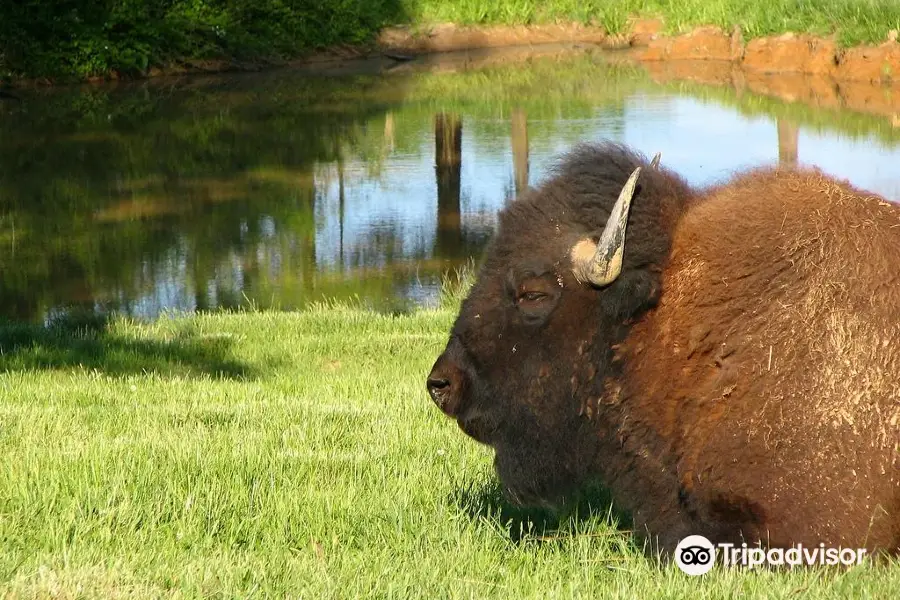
(788, 53)
(449, 37)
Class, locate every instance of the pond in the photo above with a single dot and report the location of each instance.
(374, 183)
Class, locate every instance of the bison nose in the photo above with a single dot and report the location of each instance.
(438, 387)
(445, 386)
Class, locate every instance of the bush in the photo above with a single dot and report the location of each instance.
(82, 38)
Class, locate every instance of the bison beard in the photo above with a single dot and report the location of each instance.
(720, 368)
(541, 470)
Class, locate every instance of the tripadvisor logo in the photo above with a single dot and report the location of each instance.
(696, 555)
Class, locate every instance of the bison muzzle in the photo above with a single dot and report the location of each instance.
(726, 361)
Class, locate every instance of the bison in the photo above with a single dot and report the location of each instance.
(731, 369)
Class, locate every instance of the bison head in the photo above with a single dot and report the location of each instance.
(529, 366)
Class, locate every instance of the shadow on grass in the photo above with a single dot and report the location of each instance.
(485, 502)
(86, 341)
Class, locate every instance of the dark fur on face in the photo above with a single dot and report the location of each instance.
(535, 345)
(740, 379)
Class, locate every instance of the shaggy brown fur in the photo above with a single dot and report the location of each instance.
(739, 380)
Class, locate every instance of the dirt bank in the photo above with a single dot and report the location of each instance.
(787, 53)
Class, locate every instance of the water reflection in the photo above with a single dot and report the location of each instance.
(280, 189)
(788, 140)
(519, 136)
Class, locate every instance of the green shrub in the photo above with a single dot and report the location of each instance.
(82, 38)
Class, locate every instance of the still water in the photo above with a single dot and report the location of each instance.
(278, 189)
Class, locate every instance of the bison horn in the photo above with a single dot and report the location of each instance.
(654, 164)
(601, 263)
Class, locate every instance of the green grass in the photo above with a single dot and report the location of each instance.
(258, 454)
(854, 21)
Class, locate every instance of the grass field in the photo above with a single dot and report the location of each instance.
(854, 21)
(264, 454)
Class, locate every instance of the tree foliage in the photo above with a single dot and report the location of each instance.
(83, 38)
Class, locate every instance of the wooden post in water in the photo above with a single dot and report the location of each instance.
(340, 166)
(788, 137)
(201, 284)
(308, 264)
(389, 131)
(448, 171)
(519, 139)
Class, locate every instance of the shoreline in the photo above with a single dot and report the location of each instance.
(791, 53)
(790, 67)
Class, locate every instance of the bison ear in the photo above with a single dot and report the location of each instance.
(601, 263)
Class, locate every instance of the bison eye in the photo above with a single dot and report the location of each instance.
(532, 297)
(535, 296)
